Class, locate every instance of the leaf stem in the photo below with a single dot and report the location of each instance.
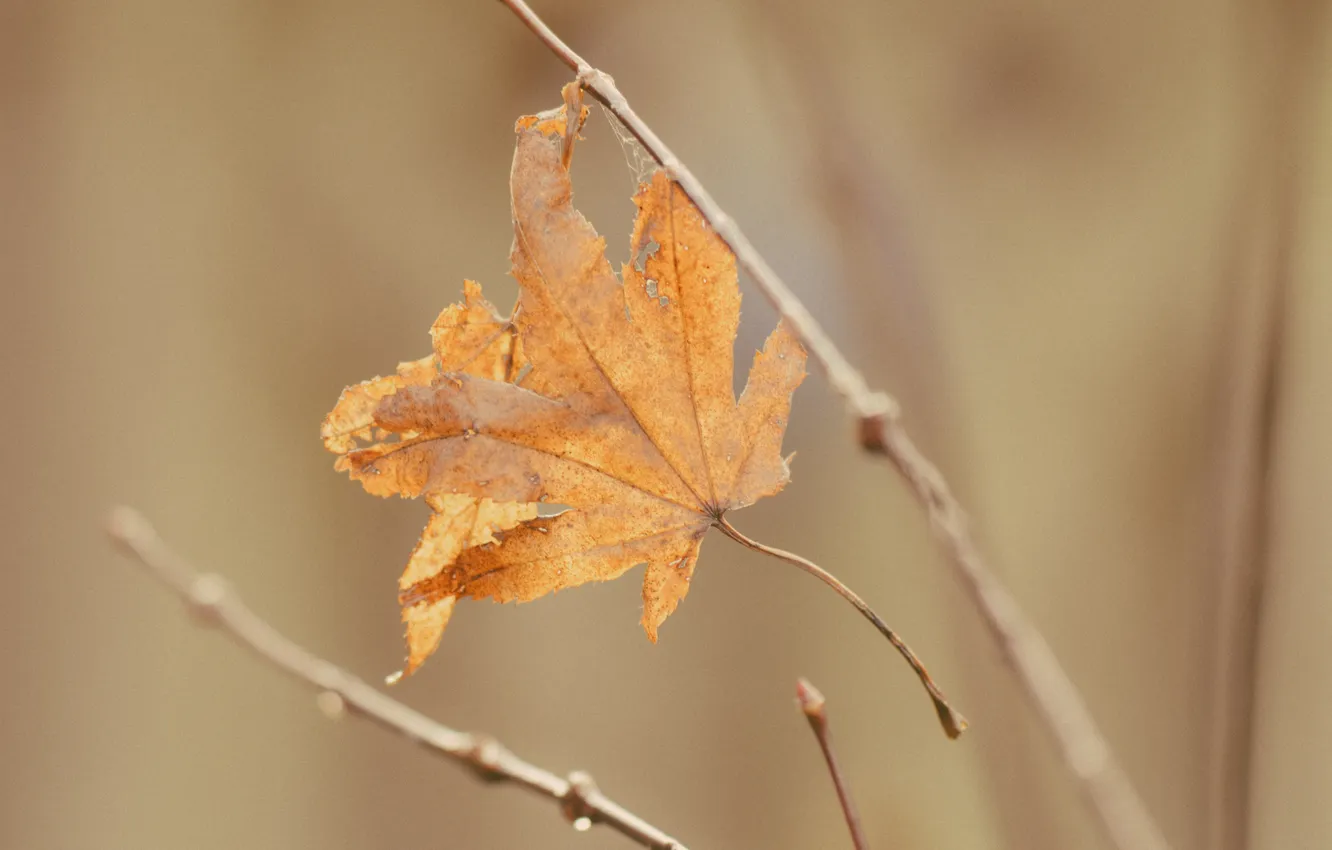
(813, 706)
(953, 722)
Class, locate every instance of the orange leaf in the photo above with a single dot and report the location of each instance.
(611, 395)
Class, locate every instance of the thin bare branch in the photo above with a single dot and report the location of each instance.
(211, 598)
(953, 722)
(1266, 220)
(814, 707)
(1052, 695)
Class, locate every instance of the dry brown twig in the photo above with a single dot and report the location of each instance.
(1052, 695)
(212, 600)
(814, 707)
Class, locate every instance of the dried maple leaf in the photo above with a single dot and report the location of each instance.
(627, 414)
(611, 395)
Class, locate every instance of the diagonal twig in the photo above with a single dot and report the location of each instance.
(211, 598)
(813, 706)
(1052, 695)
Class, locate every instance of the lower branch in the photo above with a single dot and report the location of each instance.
(953, 721)
(211, 598)
(813, 706)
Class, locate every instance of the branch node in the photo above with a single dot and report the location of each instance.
(576, 803)
(878, 411)
(485, 755)
(205, 598)
(592, 79)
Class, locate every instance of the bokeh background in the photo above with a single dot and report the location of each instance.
(1085, 243)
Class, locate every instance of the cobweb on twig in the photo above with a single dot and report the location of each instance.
(636, 157)
(641, 165)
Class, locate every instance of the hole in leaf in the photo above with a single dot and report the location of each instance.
(640, 259)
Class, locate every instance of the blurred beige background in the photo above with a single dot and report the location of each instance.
(1086, 243)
